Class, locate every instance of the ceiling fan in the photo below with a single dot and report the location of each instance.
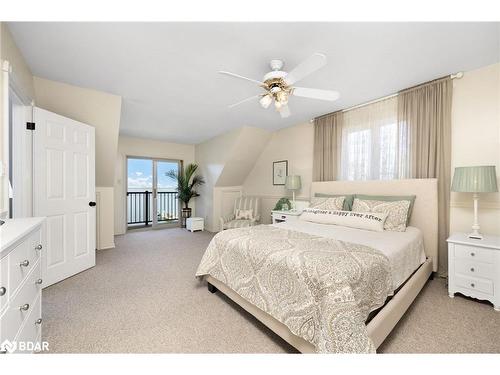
(277, 84)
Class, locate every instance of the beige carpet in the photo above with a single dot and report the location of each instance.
(142, 297)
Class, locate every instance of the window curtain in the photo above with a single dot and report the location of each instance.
(327, 146)
(374, 145)
(426, 112)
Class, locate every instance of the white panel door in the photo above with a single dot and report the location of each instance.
(64, 192)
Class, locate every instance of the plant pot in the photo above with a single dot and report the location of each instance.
(185, 213)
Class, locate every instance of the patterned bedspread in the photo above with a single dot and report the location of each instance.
(322, 289)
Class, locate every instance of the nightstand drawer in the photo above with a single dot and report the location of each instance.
(471, 283)
(475, 269)
(474, 253)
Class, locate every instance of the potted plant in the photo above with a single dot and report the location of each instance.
(187, 182)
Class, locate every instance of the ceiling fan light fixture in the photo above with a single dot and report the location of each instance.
(266, 101)
(282, 97)
(279, 85)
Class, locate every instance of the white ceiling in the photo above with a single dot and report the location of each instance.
(167, 72)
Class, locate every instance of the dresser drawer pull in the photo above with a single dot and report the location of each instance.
(24, 307)
(472, 269)
(38, 247)
(39, 281)
(472, 254)
(472, 285)
(38, 321)
(24, 263)
(3, 291)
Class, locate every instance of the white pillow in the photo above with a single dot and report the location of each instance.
(244, 214)
(328, 203)
(362, 220)
(397, 212)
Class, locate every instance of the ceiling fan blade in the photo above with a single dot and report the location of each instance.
(241, 77)
(306, 67)
(243, 101)
(316, 93)
(284, 111)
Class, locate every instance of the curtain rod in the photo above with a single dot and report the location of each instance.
(451, 76)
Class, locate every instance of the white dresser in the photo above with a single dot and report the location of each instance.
(474, 267)
(21, 244)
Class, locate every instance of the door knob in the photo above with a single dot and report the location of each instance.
(91, 204)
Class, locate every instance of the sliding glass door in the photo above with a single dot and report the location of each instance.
(165, 197)
(152, 198)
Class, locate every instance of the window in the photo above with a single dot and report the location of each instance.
(374, 145)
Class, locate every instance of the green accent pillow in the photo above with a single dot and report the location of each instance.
(389, 198)
(348, 201)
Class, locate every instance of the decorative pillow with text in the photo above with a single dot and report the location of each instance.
(361, 220)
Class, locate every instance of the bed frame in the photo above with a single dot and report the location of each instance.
(424, 217)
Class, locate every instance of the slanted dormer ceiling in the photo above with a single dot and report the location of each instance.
(167, 72)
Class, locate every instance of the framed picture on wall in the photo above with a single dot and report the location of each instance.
(280, 171)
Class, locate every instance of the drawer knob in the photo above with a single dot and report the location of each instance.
(472, 254)
(24, 307)
(25, 263)
(472, 285)
(38, 247)
(472, 269)
(39, 281)
(3, 291)
(38, 321)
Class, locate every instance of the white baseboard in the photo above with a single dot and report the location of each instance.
(106, 247)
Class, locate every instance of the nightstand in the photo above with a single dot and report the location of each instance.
(281, 216)
(474, 267)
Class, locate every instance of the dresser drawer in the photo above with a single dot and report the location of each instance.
(471, 283)
(30, 333)
(13, 317)
(35, 244)
(22, 259)
(4, 282)
(474, 253)
(475, 269)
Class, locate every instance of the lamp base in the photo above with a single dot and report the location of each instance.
(475, 225)
(475, 235)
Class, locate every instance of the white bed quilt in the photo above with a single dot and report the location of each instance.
(321, 288)
(405, 250)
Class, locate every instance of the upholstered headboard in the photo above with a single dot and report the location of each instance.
(425, 210)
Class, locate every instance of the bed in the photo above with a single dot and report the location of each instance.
(411, 259)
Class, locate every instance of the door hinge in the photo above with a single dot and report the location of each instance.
(30, 126)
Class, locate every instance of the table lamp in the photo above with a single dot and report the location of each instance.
(481, 179)
(293, 183)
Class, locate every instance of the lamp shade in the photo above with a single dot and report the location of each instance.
(293, 183)
(480, 179)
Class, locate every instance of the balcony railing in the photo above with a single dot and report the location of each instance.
(140, 207)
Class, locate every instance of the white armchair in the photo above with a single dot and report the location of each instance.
(242, 203)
